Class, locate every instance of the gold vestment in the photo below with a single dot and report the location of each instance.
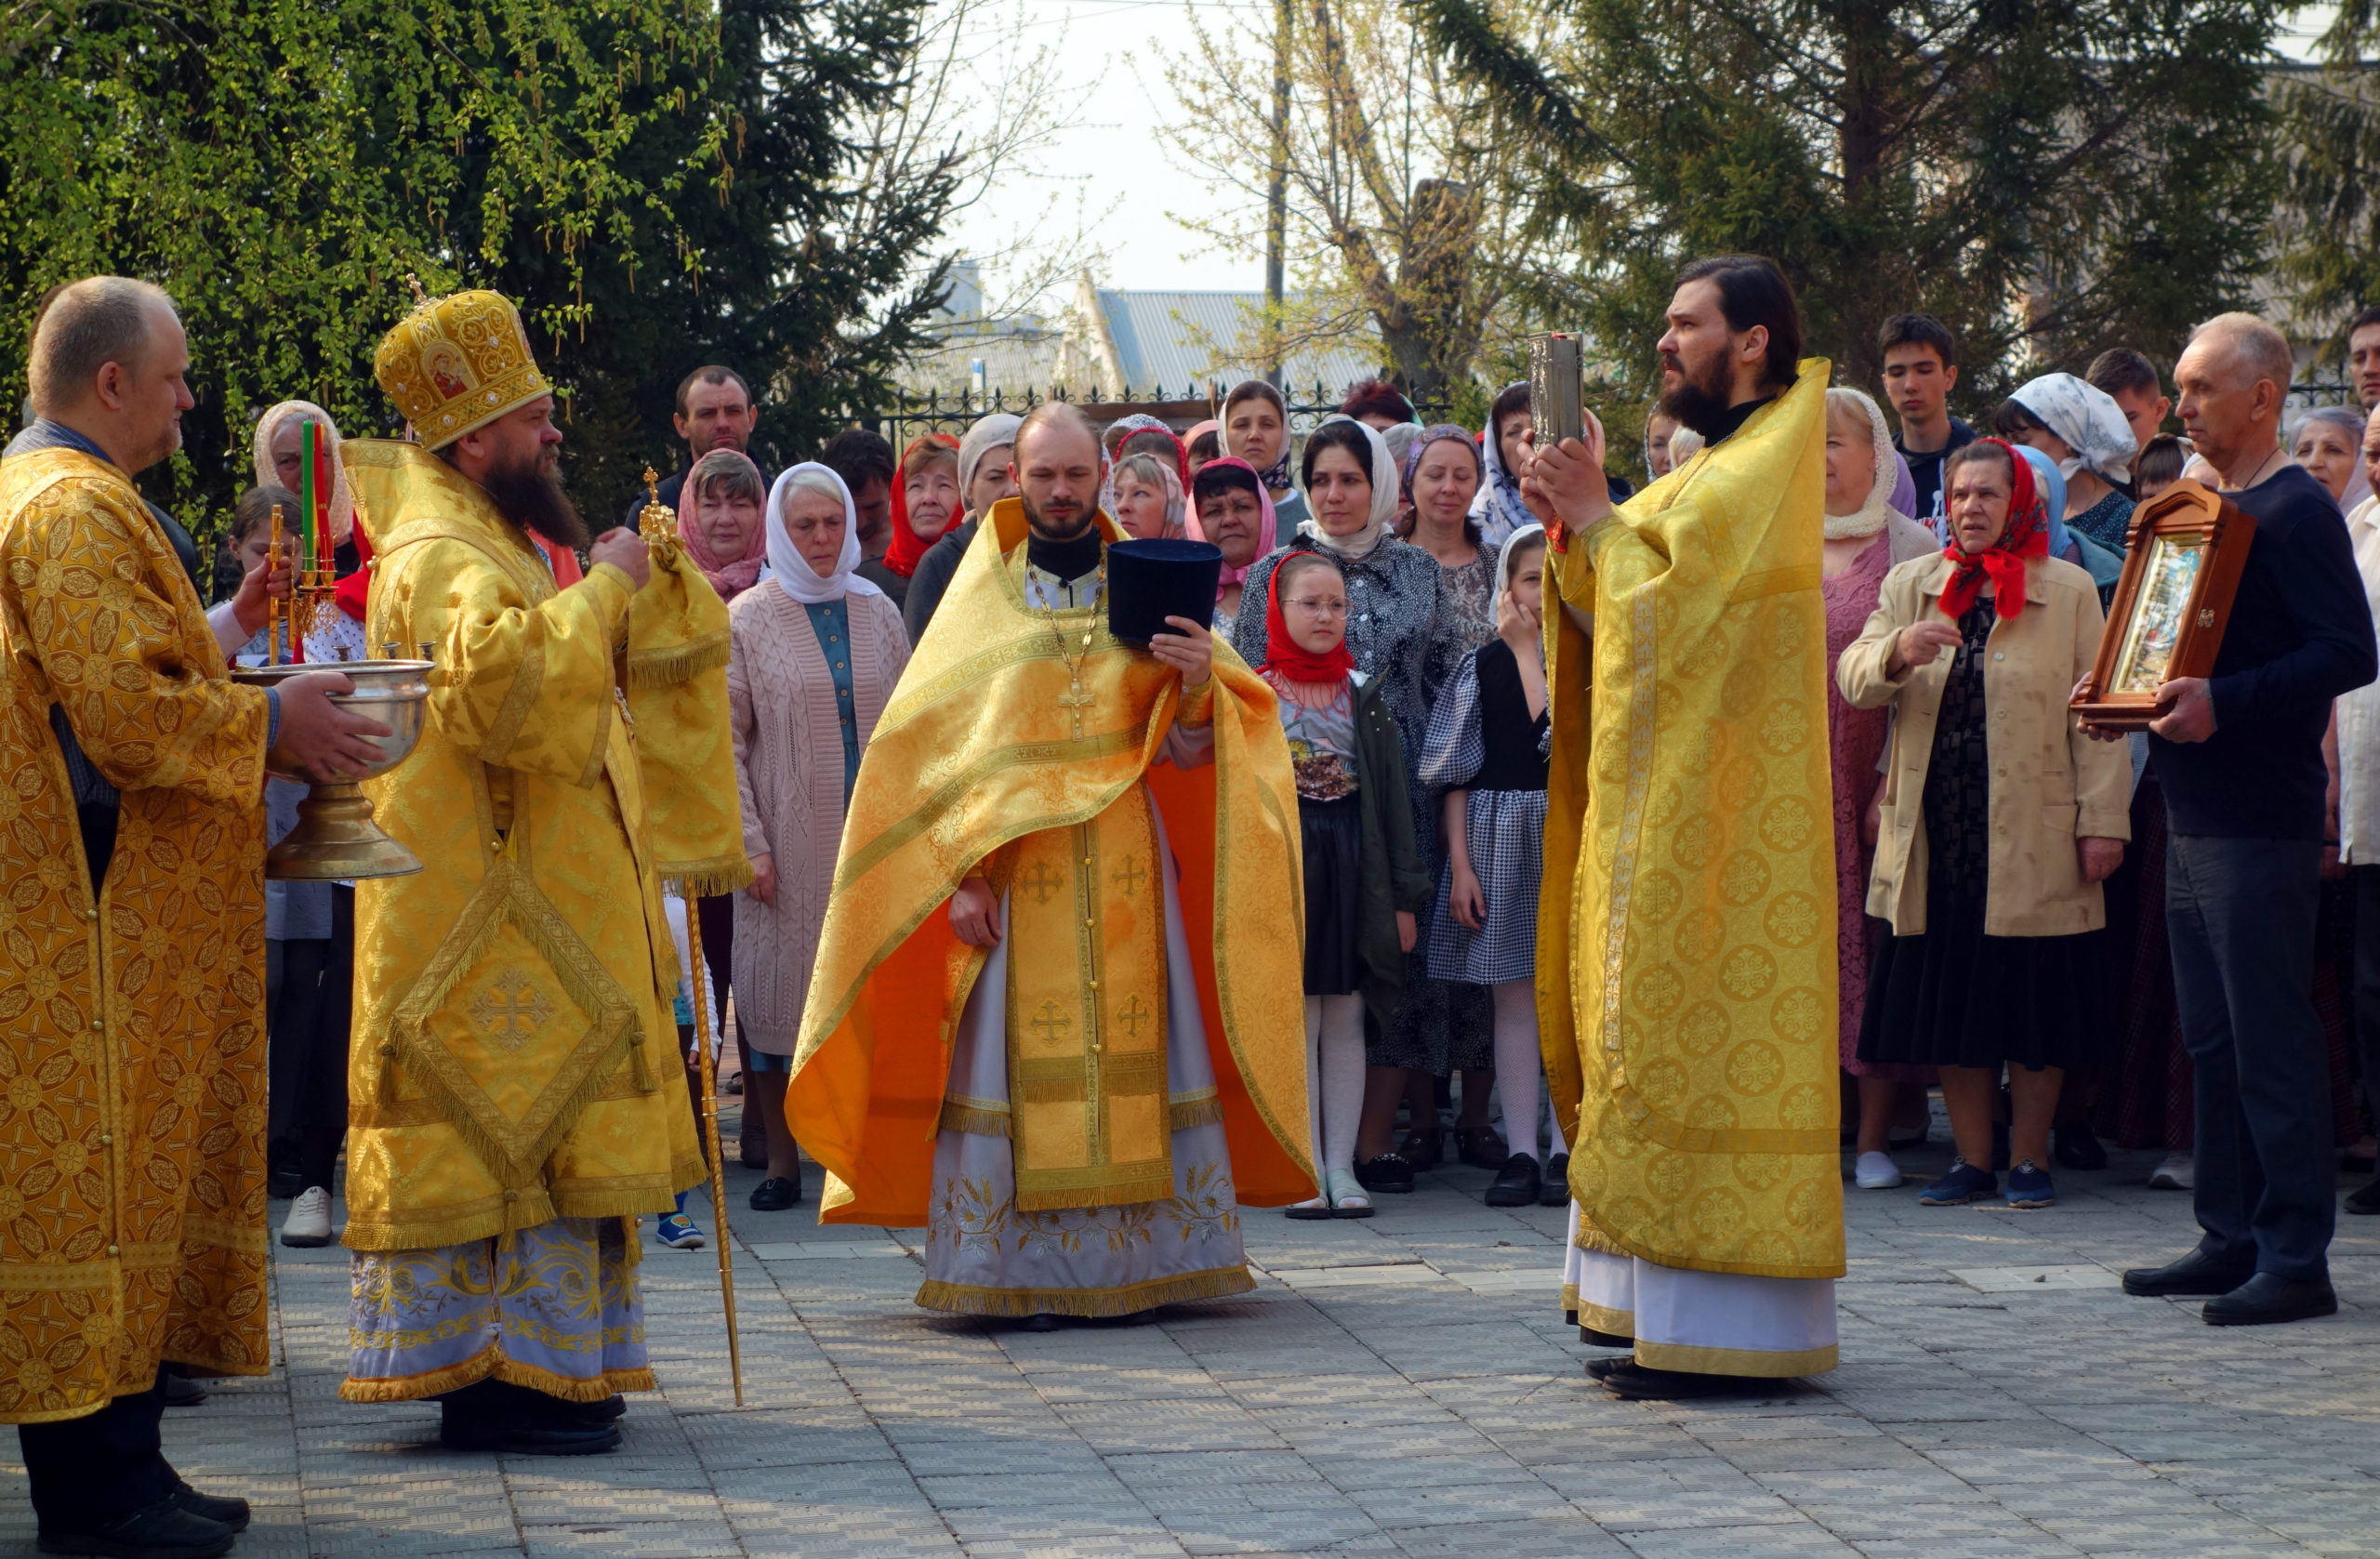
(1686, 934)
(1012, 750)
(132, 1205)
(515, 1059)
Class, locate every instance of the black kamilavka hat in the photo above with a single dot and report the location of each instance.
(1149, 581)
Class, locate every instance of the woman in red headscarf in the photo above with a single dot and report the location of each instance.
(926, 505)
(2000, 821)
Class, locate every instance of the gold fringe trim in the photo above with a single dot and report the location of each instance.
(1048, 1090)
(678, 662)
(1183, 1114)
(1154, 1187)
(974, 1122)
(1692, 1359)
(960, 1298)
(1588, 1238)
(493, 1363)
(535, 1206)
(706, 879)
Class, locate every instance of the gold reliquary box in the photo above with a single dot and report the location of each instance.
(2187, 546)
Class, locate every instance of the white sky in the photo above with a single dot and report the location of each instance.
(1119, 48)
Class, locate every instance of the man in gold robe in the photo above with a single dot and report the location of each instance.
(1685, 946)
(132, 1202)
(1057, 1014)
(514, 1097)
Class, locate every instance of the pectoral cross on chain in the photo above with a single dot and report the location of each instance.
(1078, 698)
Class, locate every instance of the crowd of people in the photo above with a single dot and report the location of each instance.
(2171, 939)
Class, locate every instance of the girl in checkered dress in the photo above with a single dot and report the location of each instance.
(1487, 751)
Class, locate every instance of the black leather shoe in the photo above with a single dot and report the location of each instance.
(1389, 1173)
(2268, 1297)
(1517, 1184)
(508, 1438)
(1632, 1382)
(774, 1195)
(2077, 1147)
(231, 1509)
(1599, 1370)
(1554, 1190)
(2197, 1272)
(180, 1391)
(2366, 1201)
(164, 1530)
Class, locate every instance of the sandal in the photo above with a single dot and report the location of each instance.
(1480, 1147)
(1312, 1208)
(1347, 1197)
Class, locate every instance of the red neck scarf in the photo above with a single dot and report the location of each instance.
(2025, 535)
(1286, 659)
(908, 548)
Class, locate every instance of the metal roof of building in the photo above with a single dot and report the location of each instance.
(1165, 340)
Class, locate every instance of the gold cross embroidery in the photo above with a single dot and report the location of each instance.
(1134, 1016)
(1043, 881)
(1129, 876)
(502, 1010)
(1052, 1024)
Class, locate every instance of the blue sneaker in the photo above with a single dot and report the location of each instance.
(1964, 1183)
(678, 1231)
(2028, 1186)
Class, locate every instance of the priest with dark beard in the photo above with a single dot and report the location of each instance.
(513, 1087)
(1687, 981)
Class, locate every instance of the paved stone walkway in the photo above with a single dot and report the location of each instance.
(1403, 1386)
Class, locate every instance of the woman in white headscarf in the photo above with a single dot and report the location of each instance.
(2080, 427)
(815, 652)
(1397, 615)
(1865, 537)
(279, 446)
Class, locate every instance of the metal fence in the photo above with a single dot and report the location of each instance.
(911, 414)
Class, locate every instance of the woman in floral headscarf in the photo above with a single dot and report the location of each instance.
(2000, 820)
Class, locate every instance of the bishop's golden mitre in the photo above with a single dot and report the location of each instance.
(458, 362)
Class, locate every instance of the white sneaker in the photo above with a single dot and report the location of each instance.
(309, 1223)
(1876, 1171)
(2174, 1174)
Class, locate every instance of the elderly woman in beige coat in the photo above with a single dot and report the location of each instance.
(2000, 821)
(817, 651)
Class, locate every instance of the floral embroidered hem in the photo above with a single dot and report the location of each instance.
(556, 1309)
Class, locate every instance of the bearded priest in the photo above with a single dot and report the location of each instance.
(513, 1087)
(1057, 1017)
(1685, 949)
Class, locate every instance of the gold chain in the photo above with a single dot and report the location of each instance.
(1075, 697)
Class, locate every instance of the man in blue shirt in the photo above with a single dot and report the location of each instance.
(2239, 755)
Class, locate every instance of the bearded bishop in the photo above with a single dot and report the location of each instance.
(514, 1088)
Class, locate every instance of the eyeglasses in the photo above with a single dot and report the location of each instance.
(1320, 608)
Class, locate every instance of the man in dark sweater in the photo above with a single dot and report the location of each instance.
(2239, 755)
(1921, 365)
(714, 411)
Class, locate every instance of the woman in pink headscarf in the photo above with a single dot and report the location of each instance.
(718, 519)
(1230, 507)
(722, 507)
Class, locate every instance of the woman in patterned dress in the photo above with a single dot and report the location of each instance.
(2000, 821)
(1398, 597)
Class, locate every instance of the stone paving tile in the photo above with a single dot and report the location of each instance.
(1366, 1413)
